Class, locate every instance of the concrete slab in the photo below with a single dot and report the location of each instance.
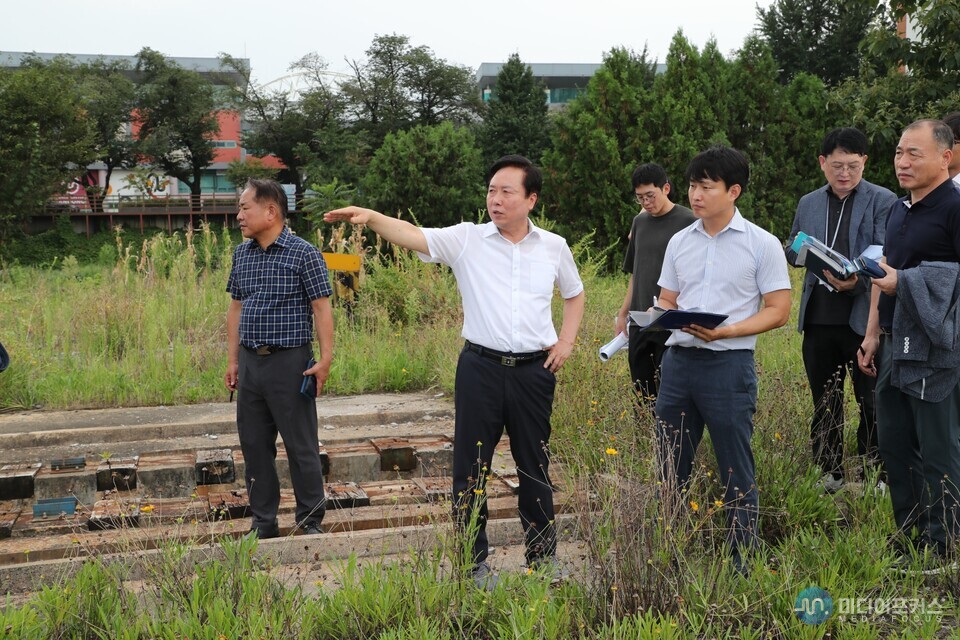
(80, 483)
(117, 474)
(215, 466)
(168, 475)
(357, 462)
(139, 423)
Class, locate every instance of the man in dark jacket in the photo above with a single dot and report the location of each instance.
(919, 431)
(848, 214)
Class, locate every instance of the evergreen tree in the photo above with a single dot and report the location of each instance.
(595, 147)
(763, 117)
(820, 37)
(435, 172)
(690, 109)
(515, 119)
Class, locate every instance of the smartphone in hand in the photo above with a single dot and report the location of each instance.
(308, 387)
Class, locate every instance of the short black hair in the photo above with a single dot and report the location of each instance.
(649, 173)
(532, 177)
(720, 164)
(952, 120)
(848, 139)
(942, 134)
(270, 191)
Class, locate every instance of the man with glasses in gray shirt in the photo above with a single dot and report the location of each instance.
(651, 231)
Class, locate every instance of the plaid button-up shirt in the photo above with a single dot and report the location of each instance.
(275, 288)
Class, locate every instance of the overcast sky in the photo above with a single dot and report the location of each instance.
(274, 34)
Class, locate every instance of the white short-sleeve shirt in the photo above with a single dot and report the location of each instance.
(728, 273)
(506, 287)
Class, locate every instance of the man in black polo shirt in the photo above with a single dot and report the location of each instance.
(280, 291)
(918, 420)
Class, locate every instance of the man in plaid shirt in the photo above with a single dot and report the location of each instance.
(280, 293)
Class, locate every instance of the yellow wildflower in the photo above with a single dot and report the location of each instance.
(611, 451)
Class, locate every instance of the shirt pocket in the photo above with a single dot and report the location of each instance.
(543, 275)
(280, 281)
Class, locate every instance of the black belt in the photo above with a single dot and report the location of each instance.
(268, 349)
(507, 359)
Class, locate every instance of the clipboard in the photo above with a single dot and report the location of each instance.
(675, 319)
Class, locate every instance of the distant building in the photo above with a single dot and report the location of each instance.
(227, 142)
(562, 81)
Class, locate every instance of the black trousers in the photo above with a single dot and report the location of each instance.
(269, 402)
(646, 351)
(920, 444)
(490, 397)
(829, 352)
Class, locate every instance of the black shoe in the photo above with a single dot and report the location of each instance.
(265, 533)
(311, 529)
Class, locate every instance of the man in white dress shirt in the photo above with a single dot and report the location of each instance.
(506, 270)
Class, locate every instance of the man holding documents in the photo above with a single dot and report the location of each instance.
(914, 322)
(720, 264)
(847, 215)
(652, 229)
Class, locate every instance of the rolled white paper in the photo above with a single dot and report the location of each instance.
(618, 343)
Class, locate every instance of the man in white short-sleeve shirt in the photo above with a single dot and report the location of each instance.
(506, 271)
(723, 264)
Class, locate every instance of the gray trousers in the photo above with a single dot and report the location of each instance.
(920, 446)
(268, 402)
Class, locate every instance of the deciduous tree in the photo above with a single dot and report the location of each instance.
(109, 98)
(45, 139)
(399, 86)
(177, 113)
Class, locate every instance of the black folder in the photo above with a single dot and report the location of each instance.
(673, 319)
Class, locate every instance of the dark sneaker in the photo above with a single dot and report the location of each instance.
(484, 577)
(311, 529)
(265, 533)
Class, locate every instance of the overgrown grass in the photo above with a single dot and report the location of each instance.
(150, 330)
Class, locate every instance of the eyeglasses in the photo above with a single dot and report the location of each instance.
(840, 168)
(645, 197)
